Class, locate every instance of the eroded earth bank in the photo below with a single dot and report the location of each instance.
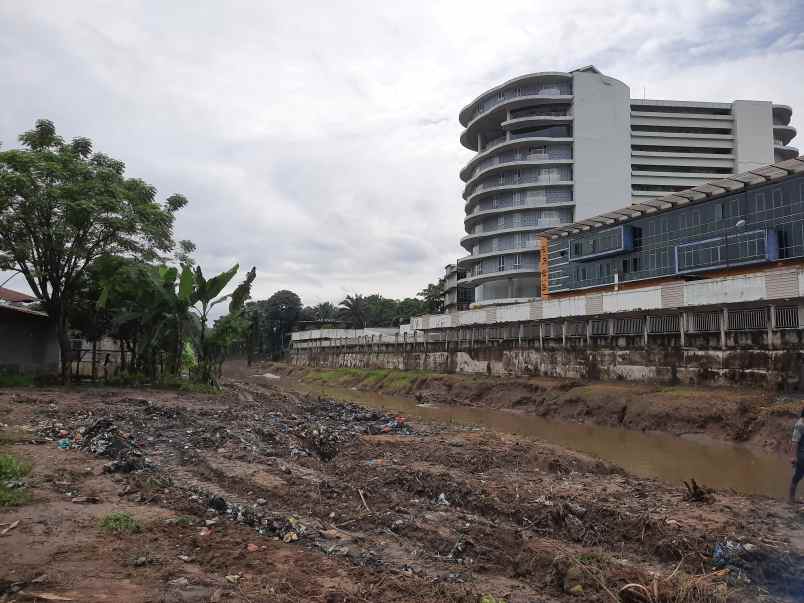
(260, 493)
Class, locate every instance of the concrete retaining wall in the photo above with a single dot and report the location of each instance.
(773, 368)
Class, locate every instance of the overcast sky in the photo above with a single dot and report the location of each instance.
(318, 140)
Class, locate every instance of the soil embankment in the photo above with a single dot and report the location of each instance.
(260, 494)
(752, 416)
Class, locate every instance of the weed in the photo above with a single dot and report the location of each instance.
(11, 468)
(491, 599)
(120, 523)
(184, 520)
(14, 497)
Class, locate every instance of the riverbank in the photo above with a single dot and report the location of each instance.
(753, 416)
(262, 494)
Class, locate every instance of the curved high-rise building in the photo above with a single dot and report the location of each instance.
(552, 148)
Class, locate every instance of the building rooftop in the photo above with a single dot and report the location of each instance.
(9, 295)
(709, 190)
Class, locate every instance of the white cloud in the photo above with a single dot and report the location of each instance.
(319, 140)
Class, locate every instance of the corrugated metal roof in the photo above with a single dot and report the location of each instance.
(10, 295)
(715, 188)
(22, 310)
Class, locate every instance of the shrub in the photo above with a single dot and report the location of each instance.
(120, 523)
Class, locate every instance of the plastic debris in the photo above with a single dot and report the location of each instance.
(64, 443)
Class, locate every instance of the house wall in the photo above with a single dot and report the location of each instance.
(28, 343)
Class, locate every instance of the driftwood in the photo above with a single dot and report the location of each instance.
(696, 493)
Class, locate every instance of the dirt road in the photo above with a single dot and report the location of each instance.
(261, 494)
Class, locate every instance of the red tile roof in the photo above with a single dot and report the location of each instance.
(15, 296)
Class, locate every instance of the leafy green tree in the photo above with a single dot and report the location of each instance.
(380, 311)
(62, 207)
(284, 309)
(433, 296)
(409, 307)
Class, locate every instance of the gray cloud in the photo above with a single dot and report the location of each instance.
(319, 141)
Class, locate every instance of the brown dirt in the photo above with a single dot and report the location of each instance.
(754, 416)
(356, 512)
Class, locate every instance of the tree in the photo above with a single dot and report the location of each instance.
(205, 292)
(283, 310)
(380, 311)
(354, 310)
(324, 311)
(62, 207)
(408, 307)
(433, 296)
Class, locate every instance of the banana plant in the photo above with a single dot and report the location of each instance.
(206, 294)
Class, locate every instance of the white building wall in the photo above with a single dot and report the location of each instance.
(753, 131)
(602, 147)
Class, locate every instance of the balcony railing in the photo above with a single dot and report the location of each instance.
(558, 89)
(553, 152)
(528, 179)
(543, 223)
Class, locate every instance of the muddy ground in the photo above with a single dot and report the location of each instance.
(262, 494)
(754, 416)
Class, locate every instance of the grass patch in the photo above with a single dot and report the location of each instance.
(391, 378)
(185, 520)
(120, 523)
(14, 497)
(16, 381)
(13, 469)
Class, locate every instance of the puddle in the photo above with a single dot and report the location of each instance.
(669, 458)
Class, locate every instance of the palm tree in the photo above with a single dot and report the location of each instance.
(354, 310)
(324, 311)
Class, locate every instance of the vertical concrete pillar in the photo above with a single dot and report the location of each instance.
(645, 331)
(519, 339)
(541, 337)
(588, 334)
(724, 321)
(771, 325)
(563, 333)
(682, 328)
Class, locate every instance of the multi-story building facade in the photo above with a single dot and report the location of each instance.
(553, 148)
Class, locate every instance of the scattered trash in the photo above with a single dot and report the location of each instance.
(179, 581)
(735, 557)
(185, 558)
(252, 548)
(64, 443)
(233, 578)
(290, 537)
(204, 532)
(442, 500)
(86, 500)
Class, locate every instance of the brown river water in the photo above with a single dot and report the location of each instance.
(665, 457)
